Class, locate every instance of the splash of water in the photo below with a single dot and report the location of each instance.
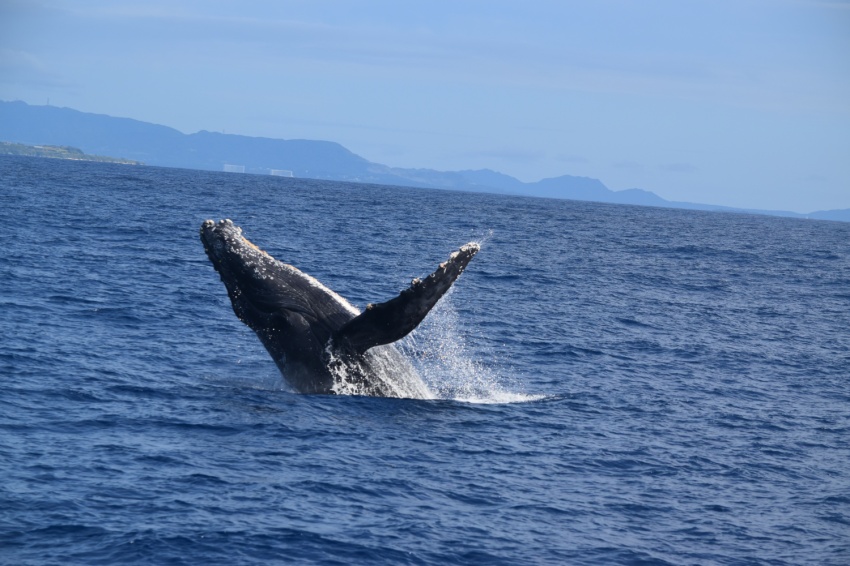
(391, 375)
(439, 350)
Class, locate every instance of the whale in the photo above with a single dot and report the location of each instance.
(321, 343)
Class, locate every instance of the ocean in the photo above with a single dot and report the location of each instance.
(611, 384)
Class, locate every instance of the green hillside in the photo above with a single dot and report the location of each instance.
(58, 152)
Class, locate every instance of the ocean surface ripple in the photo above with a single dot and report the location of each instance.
(614, 384)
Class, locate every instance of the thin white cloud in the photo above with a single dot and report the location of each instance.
(510, 154)
(17, 59)
(679, 168)
(566, 158)
(830, 4)
(627, 166)
(22, 68)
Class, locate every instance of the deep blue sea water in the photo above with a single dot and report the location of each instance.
(613, 384)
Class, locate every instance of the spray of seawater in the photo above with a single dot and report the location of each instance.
(440, 352)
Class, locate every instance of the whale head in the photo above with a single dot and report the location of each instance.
(228, 250)
(260, 285)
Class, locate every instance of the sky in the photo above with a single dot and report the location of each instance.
(742, 103)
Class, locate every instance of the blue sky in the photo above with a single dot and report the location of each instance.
(733, 102)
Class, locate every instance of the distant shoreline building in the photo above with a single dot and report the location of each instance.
(281, 173)
(228, 168)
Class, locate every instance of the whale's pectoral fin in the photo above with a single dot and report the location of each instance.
(393, 320)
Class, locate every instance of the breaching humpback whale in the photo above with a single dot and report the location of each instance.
(319, 341)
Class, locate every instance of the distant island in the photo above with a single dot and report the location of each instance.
(59, 152)
(97, 134)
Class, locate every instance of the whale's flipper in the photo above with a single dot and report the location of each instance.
(393, 320)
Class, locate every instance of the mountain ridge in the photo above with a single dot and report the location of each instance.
(155, 144)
